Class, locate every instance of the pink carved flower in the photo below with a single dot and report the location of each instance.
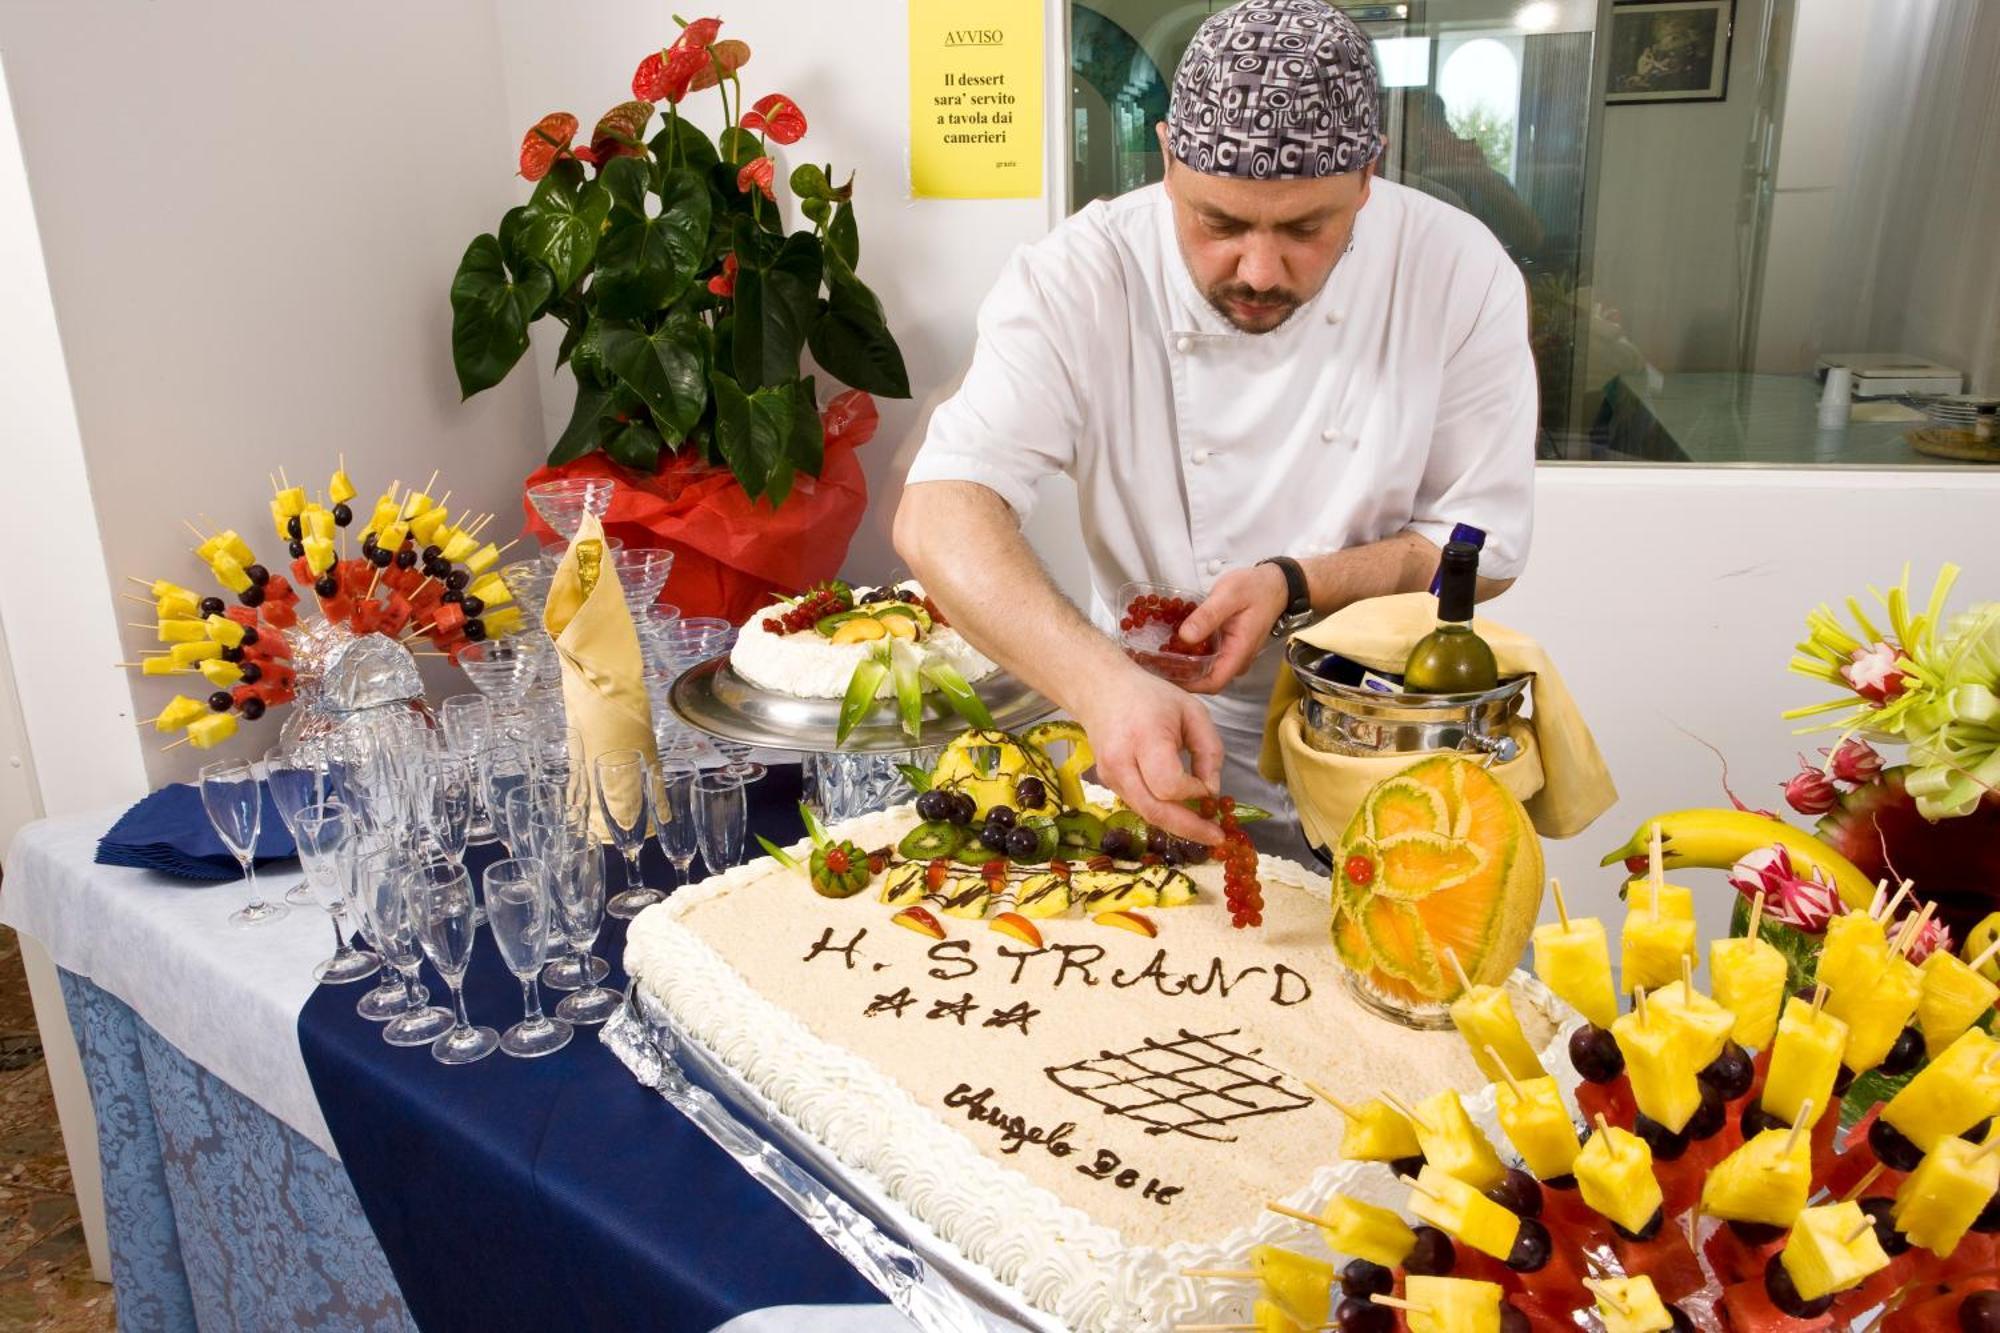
(1935, 935)
(1811, 792)
(1854, 761)
(1768, 873)
(1874, 674)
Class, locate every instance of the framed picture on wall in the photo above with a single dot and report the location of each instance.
(1670, 51)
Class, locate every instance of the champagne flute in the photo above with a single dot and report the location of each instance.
(505, 766)
(389, 873)
(234, 800)
(295, 783)
(448, 811)
(621, 798)
(468, 721)
(673, 813)
(517, 908)
(322, 832)
(722, 816)
(577, 893)
(446, 926)
(390, 996)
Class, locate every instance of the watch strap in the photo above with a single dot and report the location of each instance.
(1298, 595)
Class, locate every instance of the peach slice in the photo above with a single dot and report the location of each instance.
(920, 920)
(1131, 921)
(1022, 929)
(859, 630)
(899, 627)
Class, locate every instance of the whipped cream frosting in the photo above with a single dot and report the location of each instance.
(808, 665)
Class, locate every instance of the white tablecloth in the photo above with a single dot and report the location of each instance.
(228, 997)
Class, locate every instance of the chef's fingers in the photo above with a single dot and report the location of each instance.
(1167, 783)
(1226, 601)
(1204, 746)
(1241, 637)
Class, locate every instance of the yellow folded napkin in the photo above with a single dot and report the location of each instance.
(1379, 633)
(603, 669)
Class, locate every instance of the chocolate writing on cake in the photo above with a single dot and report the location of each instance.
(1198, 1084)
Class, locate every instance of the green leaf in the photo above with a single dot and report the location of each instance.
(860, 697)
(685, 215)
(684, 144)
(809, 181)
(771, 413)
(489, 315)
(778, 854)
(816, 210)
(636, 445)
(843, 238)
(586, 421)
(732, 433)
(917, 779)
(774, 311)
(952, 685)
(561, 228)
(640, 268)
(666, 368)
(738, 146)
(806, 445)
(851, 340)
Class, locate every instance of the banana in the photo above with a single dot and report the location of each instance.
(1720, 838)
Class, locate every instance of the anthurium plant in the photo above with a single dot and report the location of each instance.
(686, 305)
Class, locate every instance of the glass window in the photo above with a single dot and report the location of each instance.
(1738, 219)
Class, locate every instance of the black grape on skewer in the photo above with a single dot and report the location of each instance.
(1892, 1148)
(1647, 1232)
(1363, 1316)
(1533, 1247)
(1519, 1193)
(1432, 1256)
(1755, 1120)
(1667, 1145)
(1595, 1054)
(1784, 1293)
(1362, 1279)
(1905, 1055)
(1980, 1313)
(1882, 1213)
(1730, 1073)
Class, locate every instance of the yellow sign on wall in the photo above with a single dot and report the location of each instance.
(975, 99)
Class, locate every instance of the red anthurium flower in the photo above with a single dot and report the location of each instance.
(757, 172)
(725, 58)
(664, 76)
(582, 153)
(547, 141)
(778, 116)
(850, 419)
(724, 283)
(649, 81)
(621, 131)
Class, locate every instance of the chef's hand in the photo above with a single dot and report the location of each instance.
(1239, 611)
(1139, 727)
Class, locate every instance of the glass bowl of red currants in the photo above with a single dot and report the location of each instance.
(1149, 622)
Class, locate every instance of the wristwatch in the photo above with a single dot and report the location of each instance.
(1298, 612)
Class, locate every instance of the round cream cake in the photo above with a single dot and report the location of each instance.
(809, 665)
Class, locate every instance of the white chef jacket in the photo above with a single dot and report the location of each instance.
(1402, 396)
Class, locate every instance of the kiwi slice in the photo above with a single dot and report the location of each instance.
(1048, 838)
(973, 852)
(1079, 830)
(826, 625)
(1132, 828)
(931, 839)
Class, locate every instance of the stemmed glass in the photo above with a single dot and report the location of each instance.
(500, 669)
(738, 755)
(576, 889)
(562, 503)
(621, 798)
(505, 767)
(448, 811)
(673, 813)
(447, 927)
(392, 995)
(722, 816)
(389, 872)
(323, 832)
(295, 784)
(517, 908)
(234, 800)
(468, 721)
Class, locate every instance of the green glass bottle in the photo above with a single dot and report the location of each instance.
(1453, 659)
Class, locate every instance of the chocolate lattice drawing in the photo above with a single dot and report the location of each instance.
(1194, 1085)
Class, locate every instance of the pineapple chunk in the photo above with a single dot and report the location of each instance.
(319, 554)
(1703, 1025)
(504, 621)
(1750, 976)
(482, 559)
(1452, 1305)
(1366, 1232)
(1655, 936)
(456, 543)
(1856, 947)
(180, 711)
(1043, 895)
(1171, 887)
(1939, 1201)
(1575, 963)
(1453, 1144)
(221, 629)
(490, 589)
(1952, 999)
(1876, 1009)
(159, 664)
(1821, 1258)
(1378, 1133)
(176, 629)
(1455, 1207)
(235, 547)
(1951, 1094)
(208, 732)
(966, 896)
(1631, 1305)
(1656, 1062)
(1484, 1016)
(194, 652)
(291, 502)
(220, 674)
(1614, 1173)
(1537, 1124)
(1676, 902)
(1297, 1284)
(176, 606)
(339, 490)
(1805, 1060)
(317, 521)
(1761, 1181)
(424, 527)
(229, 571)
(1110, 891)
(164, 588)
(1268, 1317)
(904, 884)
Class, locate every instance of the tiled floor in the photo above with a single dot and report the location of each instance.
(45, 1281)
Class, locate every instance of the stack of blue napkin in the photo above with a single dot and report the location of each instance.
(168, 831)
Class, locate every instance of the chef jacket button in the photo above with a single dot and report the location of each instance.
(1329, 435)
(1333, 317)
(1215, 566)
(1183, 344)
(1199, 456)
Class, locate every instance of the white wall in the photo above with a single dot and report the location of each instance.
(250, 216)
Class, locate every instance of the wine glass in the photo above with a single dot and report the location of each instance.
(576, 887)
(448, 811)
(621, 798)
(738, 756)
(517, 908)
(391, 995)
(234, 800)
(322, 832)
(721, 816)
(388, 874)
(295, 784)
(468, 721)
(504, 767)
(673, 813)
(447, 928)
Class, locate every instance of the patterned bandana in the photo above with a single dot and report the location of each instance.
(1276, 90)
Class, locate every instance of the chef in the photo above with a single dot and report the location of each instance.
(1275, 378)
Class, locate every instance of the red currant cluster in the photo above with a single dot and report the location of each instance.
(1240, 888)
(808, 611)
(1152, 608)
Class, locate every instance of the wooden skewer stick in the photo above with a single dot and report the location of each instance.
(1602, 1290)
(1687, 977)
(1985, 955)
(1221, 1274)
(1689, 1221)
(432, 482)
(1860, 1186)
(182, 741)
(1273, 1206)
(1902, 892)
(1915, 930)
(1398, 1303)
(1350, 1111)
(1513, 1085)
(1756, 915)
(1215, 1328)
(1562, 908)
(1819, 998)
(283, 480)
(1991, 1146)
(199, 534)
(1639, 1005)
(1457, 968)
(144, 583)
(1799, 1124)
(1655, 868)
(1407, 1111)
(1881, 893)
(1865, 1224)
(1604, 1132)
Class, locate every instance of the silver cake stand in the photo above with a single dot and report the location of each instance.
(842, 780)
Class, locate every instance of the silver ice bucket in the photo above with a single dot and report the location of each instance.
(1343, 718)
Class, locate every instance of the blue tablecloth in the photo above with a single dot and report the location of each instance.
(557, 1193)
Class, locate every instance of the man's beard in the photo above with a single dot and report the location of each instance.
(1270, 308)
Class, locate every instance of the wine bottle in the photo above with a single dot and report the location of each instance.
(1453, 659)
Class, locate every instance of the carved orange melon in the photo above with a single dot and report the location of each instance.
(1439, 856)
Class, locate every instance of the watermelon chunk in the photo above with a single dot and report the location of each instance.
(1750, 1311)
